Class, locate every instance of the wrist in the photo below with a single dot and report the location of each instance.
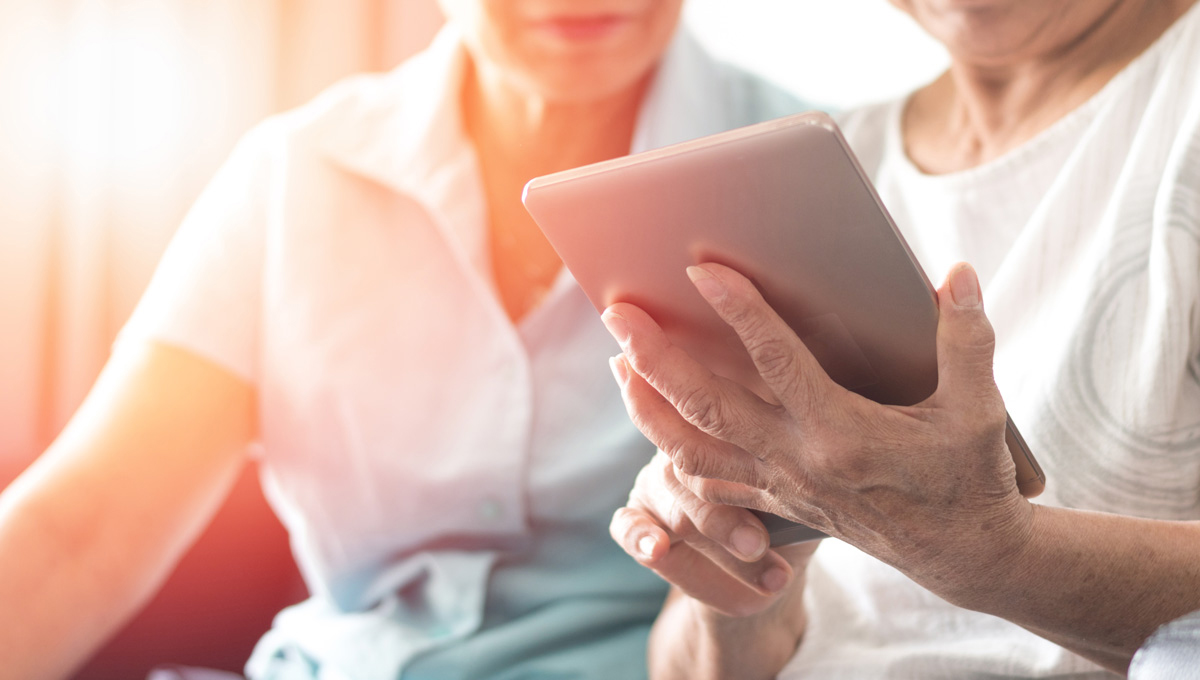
(692, 640)
(786, 615)
(998, 551)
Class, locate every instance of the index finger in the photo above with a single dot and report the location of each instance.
(694, 572)
(787, 367)
(715, 405)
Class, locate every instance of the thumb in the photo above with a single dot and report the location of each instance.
(966, 342)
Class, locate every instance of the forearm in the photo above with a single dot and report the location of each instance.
(92, 528)
(79, 559)
(1094, 583)
(61, 591)
(954, 523)
(691, 642)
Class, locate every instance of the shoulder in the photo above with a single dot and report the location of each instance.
(351, 100)
(344, 115)
(1184, 37)
(1173, 116)
(356, 115)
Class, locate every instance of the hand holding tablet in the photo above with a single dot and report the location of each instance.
(785, 204)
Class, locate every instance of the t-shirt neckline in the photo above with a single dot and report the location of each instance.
(1021, 155)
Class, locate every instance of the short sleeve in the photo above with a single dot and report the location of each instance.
(1171, 653)
(206, 293)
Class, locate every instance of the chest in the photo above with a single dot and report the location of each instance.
(524, 265)
(1094, 305)
(399, 401)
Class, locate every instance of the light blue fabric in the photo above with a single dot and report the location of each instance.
(186, 673)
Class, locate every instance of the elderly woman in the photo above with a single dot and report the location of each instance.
(1060, 154)
(360, 292)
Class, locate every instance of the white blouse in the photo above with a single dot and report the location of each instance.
(447, 477)
(1087, 240)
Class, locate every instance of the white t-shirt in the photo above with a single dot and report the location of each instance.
(1087, 241)
(447, 477)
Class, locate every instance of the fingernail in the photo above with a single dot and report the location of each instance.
(646, 545)
(774, 580)
(617, 364)
(617, 325)
(708, 285)
(748, 542)
(964, 286)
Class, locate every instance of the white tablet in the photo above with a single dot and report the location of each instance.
(785, 203)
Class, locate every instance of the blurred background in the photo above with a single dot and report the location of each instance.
(114, 113)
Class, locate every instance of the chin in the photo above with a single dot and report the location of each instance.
(569, 67)
(579, 81)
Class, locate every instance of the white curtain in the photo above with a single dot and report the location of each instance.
(113, 114)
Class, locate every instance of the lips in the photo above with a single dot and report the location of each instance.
(583, 28)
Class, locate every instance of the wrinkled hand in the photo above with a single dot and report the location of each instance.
(716, 554)
(929, 488)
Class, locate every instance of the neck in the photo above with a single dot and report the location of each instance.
(525, 135)
(518, 136)
(975, 113)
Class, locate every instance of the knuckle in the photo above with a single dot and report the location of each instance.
(638, 354)
(750, 322)
(777, 360)
(687, 458)
(981, 328)
(690, 465)
(744, 319)
(700, 462)
(831, 460)
(975, 334)
(701, 408)
(978, 348)
(649, 363)
(681, 457)
(738, 308)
